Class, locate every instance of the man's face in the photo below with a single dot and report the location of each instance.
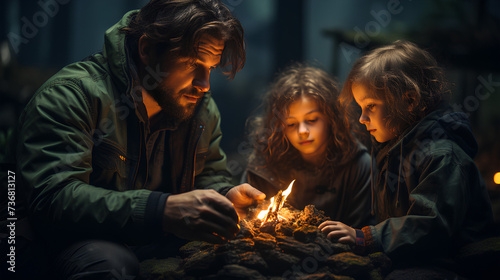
(373, 113)
(185, 80)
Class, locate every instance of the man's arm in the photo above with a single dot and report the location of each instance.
(215, 174)
(55, 161)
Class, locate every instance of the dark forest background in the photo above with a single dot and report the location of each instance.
(39, 37)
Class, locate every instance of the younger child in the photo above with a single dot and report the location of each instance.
(304, 135)
(429, 196)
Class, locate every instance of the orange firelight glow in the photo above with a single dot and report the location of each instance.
(262, 215)
(496, 178)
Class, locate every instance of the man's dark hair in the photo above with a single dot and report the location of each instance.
(177, 25)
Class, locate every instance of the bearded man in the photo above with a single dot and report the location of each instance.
(119, 155)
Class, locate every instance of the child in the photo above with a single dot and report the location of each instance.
(303, 134)
(429, 196)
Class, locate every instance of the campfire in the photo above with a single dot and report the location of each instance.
(279, 242)
(272, 213)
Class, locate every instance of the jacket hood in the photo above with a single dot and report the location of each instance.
(441, 124)
(116, 52)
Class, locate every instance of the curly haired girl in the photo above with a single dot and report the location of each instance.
(304, 134)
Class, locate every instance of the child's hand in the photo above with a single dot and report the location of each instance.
(338, 231)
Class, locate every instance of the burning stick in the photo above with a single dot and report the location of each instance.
(277, 202)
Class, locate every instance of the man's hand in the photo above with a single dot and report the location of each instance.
(202, 215)
(243, 196)
(338, 231)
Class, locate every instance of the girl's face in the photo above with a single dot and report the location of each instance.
(307, 129)
(373, 113)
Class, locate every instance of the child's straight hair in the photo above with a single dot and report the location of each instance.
(405, 77)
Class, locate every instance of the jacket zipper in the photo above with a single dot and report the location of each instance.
(197, 140)
(140, 154)
(198, 129)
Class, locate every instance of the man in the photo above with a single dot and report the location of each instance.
(122, 149)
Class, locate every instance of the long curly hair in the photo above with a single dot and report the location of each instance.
(267, 131)
(176, 25)
(405, 77)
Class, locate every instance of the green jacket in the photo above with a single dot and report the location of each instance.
(430, 197)
(344, 197)
(94, 166)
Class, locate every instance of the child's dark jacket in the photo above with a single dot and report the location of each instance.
(430, 198)
(344, 194)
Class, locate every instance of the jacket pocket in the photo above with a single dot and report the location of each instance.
(109, 158)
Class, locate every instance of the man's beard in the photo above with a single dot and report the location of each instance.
(169, 101)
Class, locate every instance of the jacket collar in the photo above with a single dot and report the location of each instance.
(116, 53)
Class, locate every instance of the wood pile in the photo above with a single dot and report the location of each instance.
(291, 249)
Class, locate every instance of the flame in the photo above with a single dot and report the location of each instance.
(273, 207)
(286, 193)
(263, 213)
